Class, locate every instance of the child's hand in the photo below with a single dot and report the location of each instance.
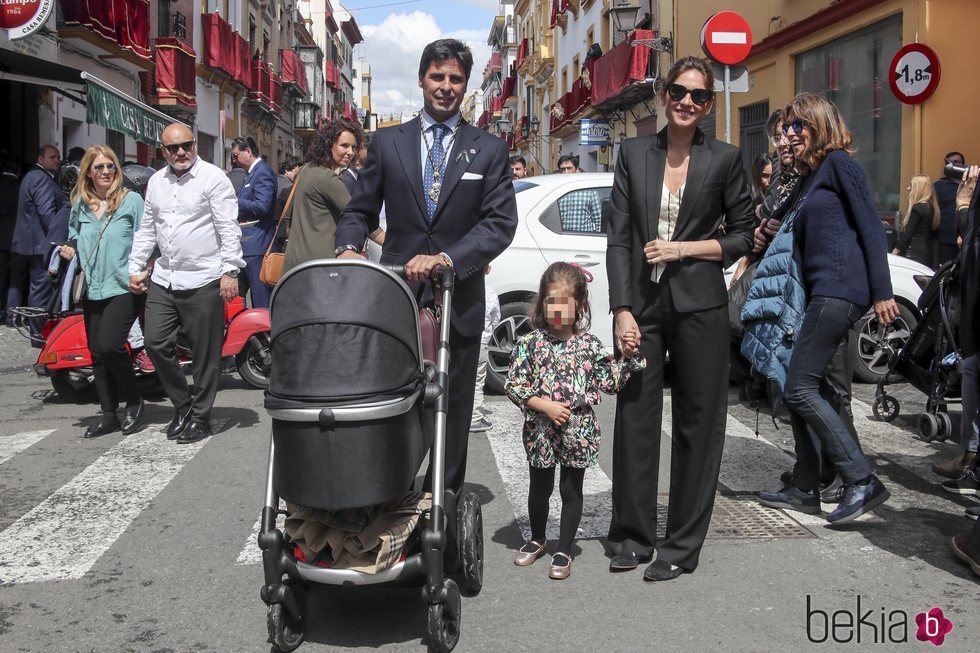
(557, 412)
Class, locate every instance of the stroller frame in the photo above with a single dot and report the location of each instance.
(286, 579)
(934, 424)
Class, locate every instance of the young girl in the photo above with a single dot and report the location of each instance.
(556, 374)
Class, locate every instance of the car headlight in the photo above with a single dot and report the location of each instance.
(922, 280)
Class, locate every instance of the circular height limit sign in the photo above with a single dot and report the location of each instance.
(914, 73)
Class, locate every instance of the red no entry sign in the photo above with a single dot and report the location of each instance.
(726, 37)
(914, 73)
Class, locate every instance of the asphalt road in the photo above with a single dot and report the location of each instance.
(137, 544)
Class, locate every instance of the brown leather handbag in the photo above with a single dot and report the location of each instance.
(272, 262)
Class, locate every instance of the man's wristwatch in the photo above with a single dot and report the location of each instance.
(345, 248)
(232, 274)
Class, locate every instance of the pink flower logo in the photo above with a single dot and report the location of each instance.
(933, 626)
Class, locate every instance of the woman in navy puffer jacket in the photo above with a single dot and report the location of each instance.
(842, 253)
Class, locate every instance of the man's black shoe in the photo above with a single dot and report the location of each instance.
(857, 500)
(131, 418)
(107, 424)
(792, 498)
(626, 561)
(195, 431)
(178, 424)
(663, 570)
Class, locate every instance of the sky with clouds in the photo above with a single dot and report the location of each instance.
(395, 34)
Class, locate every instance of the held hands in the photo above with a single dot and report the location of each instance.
(627, 332)
(886, 310)
(662, 251)
(137, 282)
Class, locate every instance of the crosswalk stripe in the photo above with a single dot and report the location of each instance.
(11, 445)
(66, 534)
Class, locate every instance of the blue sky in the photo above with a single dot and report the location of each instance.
(394, 36)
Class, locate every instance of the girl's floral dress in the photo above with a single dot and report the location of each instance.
(574, 371)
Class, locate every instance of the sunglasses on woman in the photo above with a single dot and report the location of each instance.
(177, 147)
(99, 167)
(699, 96)
(797, 126)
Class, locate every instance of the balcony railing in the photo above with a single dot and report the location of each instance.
(293, 73)
(175, 75)
(619, 76)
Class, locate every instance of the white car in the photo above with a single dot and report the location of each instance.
(557, 224)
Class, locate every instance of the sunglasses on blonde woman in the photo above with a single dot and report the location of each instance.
(99, 167)
(699, 96)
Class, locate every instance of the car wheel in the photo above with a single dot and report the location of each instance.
(514, 323)
(869, 350)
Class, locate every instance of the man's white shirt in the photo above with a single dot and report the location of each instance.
(193, 219)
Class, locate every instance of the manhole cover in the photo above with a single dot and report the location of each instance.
(742, 519)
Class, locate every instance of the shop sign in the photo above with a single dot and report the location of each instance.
(22, 18)
(103, 107)
(914, 73)
(593, 132)
(602, 157)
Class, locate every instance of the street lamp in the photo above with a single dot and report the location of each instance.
(504, 126)
(624, 16)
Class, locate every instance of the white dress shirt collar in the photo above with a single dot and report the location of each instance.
(428, 121)
(252, 167)
(192, 171)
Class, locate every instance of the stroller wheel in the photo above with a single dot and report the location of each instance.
(886, 408)
(285, 632)
(945, 426)
(470, 533)
(444, 619)
(928, 427)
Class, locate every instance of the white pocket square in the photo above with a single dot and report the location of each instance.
(471, 175)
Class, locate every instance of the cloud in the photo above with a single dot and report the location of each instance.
(393, 48)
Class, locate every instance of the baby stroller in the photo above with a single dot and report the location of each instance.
(355, 408)
(929, 359)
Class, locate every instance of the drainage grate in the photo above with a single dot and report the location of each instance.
(742, 519)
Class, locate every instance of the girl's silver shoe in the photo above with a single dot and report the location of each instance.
(528, 553)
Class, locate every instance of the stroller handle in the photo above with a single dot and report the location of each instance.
(443, 274)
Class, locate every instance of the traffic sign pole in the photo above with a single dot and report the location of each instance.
(728, 103)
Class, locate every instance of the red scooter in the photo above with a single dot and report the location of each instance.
(65, 357)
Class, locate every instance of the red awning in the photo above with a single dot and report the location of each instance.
(123, 22)
(558, 7)
(510, 86)
(332, 78)
(175, 71)
(214, 43)
(521, 52)
(620, 67)
(293, 70)
(275, 99)
(239, 60)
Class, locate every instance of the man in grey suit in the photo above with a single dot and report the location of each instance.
(450, 201)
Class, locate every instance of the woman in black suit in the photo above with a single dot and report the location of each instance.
(918, 238)
(681, 212)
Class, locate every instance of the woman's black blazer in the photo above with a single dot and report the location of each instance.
(716, 204)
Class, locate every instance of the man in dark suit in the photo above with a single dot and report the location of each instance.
(450, 201)
(42, 211)
(284, 182)
(256, 215)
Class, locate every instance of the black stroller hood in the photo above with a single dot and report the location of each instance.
(343, 332)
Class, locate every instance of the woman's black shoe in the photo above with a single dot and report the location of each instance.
(107, 424)
(131, 418)
(661, 570)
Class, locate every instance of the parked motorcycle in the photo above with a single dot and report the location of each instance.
(66, 360)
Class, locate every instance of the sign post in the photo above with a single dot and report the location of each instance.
(914, 73)
(727, 38)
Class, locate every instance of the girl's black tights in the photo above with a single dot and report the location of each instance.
(539, 495)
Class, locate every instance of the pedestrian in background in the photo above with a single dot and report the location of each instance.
(284, 182)
(568, 164)
(518, 166)
(681, 213)
(319, 198)
(917, 239)
(191, 215)
(42, 221)
(9, 188)
(946, 188)
(843, 262)
(104, 217)
(760, 177)
(344, 152)
(256, 216)
(479, 422)
(556, 375)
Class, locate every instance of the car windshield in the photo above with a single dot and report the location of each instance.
(522, 184)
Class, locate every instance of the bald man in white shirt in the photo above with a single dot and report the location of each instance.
(191, 214)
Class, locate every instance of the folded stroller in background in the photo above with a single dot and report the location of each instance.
(355, 409)
(930, 358)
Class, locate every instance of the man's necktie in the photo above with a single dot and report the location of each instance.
(434, 168)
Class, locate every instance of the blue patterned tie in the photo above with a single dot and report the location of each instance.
(435, 156)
